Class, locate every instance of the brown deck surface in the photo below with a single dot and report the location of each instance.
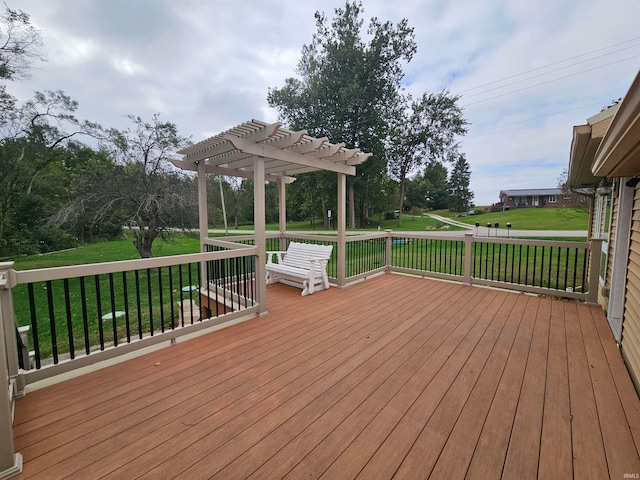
(395, 377)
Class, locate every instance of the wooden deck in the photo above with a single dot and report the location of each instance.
(396, 377)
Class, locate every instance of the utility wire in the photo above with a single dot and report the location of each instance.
(546, 73)
(550, 65)
(540, 116)
(549, 81)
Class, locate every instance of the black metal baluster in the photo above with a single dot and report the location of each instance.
(85, 316)
(550, 267)
(139, 303)
(99, 304)
(173, 313)
(113, 310)
(584, 269)
(558, 260)
(535, 252)
(125, 299)
(150, 300)
(199, 283)
(181, 295)
(566, 267)
(575, 268)
(34, 323)
(67, 305)
(160, 299)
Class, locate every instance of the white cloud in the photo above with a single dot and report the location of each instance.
(208, 66)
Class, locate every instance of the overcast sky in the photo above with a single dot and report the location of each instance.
(207, 65)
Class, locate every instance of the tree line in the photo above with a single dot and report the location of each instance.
(64, 181)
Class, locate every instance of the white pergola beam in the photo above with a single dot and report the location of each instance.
(229, 172)
(266, 151)
(288, 140)
(308, 147)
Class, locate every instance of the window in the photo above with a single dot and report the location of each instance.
(552, 199)
(601, 225)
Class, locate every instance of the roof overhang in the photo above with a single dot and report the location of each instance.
(619, 152)
(586, 139)
(285, 153)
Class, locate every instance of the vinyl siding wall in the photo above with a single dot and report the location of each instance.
(631, 321)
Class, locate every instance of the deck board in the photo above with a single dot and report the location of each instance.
(394, 377)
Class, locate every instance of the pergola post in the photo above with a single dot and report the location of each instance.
(282, 217)
(259, 223)
(203, 215)
(342, 229)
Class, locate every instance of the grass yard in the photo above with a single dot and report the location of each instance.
(534, 219)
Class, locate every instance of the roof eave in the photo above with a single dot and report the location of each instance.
(619, 152)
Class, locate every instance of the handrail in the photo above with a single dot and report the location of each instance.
(59, 273)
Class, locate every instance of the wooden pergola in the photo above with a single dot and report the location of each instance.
(268, 152)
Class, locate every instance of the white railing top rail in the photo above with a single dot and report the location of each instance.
(58, 273)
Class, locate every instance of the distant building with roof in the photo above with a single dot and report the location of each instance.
(534, 197)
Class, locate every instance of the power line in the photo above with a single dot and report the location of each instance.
(540, 116)
(546, 73)
(550, 65)
(550, 81)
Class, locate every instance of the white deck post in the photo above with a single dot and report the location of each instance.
(203, 217)
(594, 271)
(259, 223)
(342, 229)
(10, 462)
(203, 214)
(282, 217)
(468, 254)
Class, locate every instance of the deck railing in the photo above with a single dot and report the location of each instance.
(557, 268)
(80, 313)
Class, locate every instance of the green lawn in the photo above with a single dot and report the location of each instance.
(110, 251)
(534, 219)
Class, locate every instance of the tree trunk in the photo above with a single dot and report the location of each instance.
(325, 214)
(402, 181)
(352, 207)
(143, 240)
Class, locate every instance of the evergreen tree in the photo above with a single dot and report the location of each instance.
(459, 180)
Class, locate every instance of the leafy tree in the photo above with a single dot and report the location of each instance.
(19, 44)
(435, 176)
(140, 188)
(459, 180)
(425, 131)
(34, 179)
(429, 189)
(347, 90)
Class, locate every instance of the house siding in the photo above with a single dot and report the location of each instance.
(630, 343)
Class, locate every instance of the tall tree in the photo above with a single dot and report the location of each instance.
(347, 90)
(425, 131)
(141, 188)
(19, 44)
(34, 138)
(459, 180)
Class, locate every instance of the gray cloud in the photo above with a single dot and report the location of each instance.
(207, 66)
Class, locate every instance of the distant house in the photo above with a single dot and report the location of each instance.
(534, 197)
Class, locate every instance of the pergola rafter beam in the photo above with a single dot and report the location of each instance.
(266, 151)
